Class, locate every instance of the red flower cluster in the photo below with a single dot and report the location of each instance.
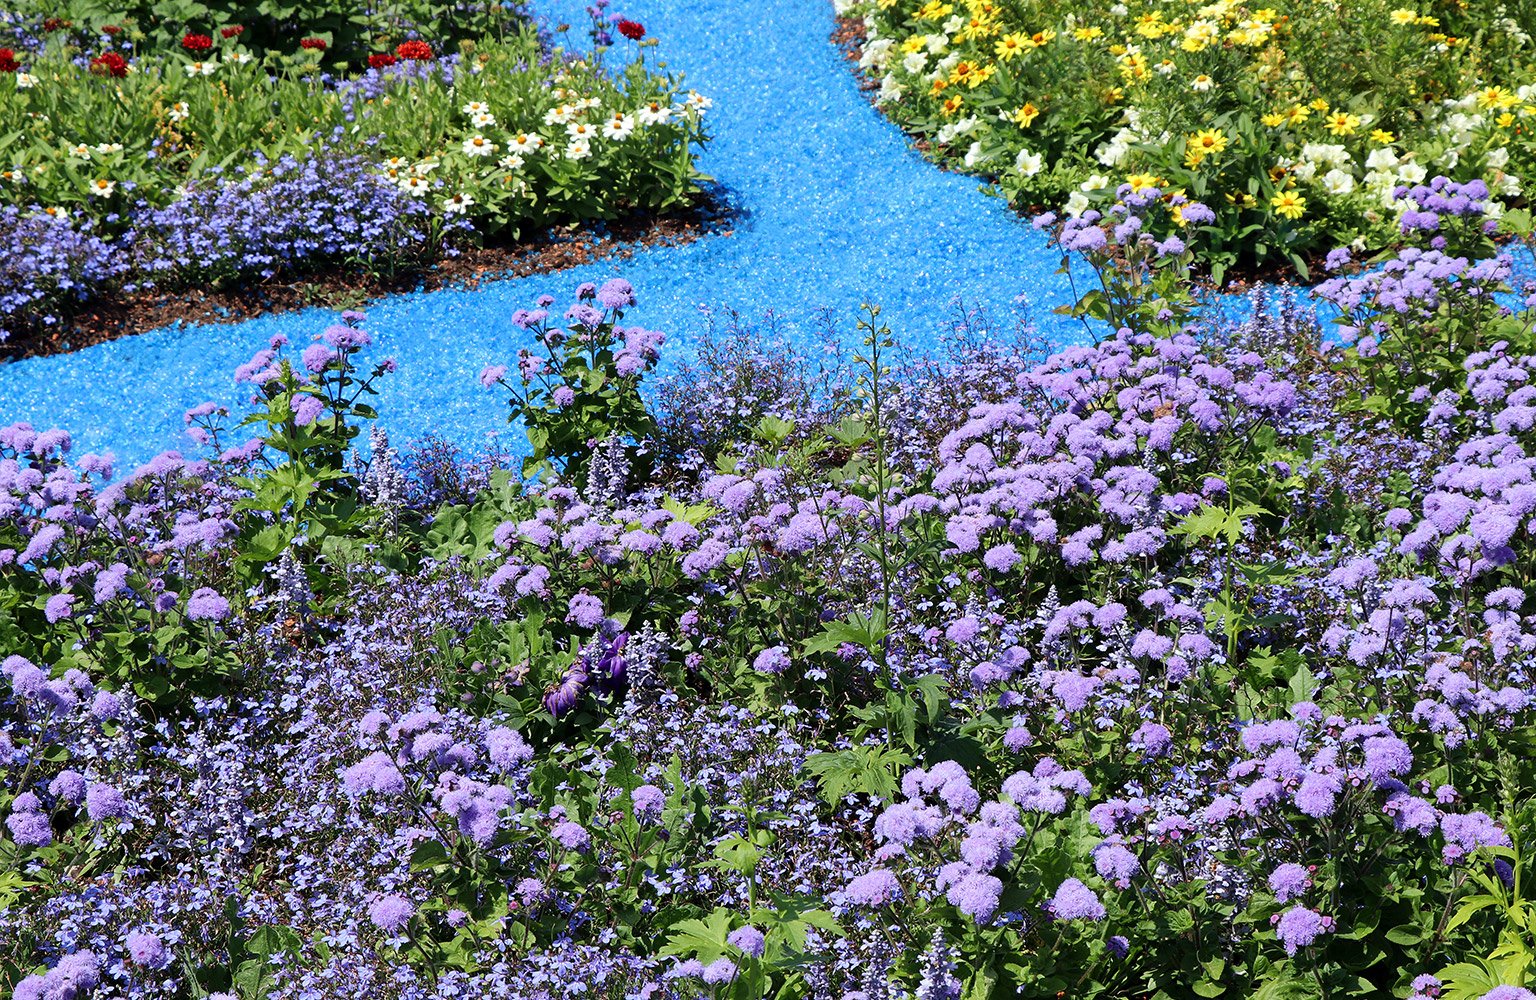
(110, 64)
(110, 29)
(196, 43)
(632, 30)
(8, 63)
(414, 49)
(380, 59)
(233, 31)
(318, 44)
(54, 24)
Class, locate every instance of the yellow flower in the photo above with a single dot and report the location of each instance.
(1026, 115)
(962, 71)
(1273, 119)
(953, 104)
(1505, 120)
(1298, 113)
(1429, 21)
(1088, 34)
(935, 10)
(1140, 182)
(1040, 38)
(1404, 16)
(914, 43)
(981, 76)
(1495, 97)
(937, 87)
(1319, 105)
(977, 27)
(1114, 95)
(1289, 205)
(1209, 141)
(1133, 66)
(1382, 136)
(1011, 45)
(1341, 123)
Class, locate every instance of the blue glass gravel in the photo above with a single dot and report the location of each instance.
(837, 210)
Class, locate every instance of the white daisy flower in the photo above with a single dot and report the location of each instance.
(476, 108)
(458, 204)
(415, 185)
(579, 149)
(201, 68)
(103, 188)
(179, 112)
(619, 127)
(510, 162)
(581, 130)
(560, 115)
(525, 143)
(654, 113)
(25, 81)
(80, 152)
(1202, 83)
(478, 145)
(241, 58)
(425, 167)
(109, 147)
(698, 102)
(17, 176)
(484, 120)
(588, 103)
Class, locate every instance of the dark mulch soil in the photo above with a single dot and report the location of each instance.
(556, 250)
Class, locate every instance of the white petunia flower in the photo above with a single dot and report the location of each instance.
(1077, 204)
(1028, 164)
(1338, 182)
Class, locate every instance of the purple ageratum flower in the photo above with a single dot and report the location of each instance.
(1299, 927)
(69, 787)
(773, 660)
(1153, 739)
(74, 977)
(1386, 757)
(1197, 214)
(585, 611)
(874, 888)
(391, 913)
(374, 773)
(147, 950)
(616, 293)
(1001, 558)
(562, 396)
(206, 605)
(585, 316)
(1116, 864)
(58, 607)
(572, 836)
(492, 374)
(976, 896)
(103, 802)
(316, 356)
(648, 802)
(28, 823)
(1289, 881)
(749, 939)
(507, 748)
(1509, 993)
(721, 970)
(1075, 901)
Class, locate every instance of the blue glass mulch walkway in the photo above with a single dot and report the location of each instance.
(836, 210)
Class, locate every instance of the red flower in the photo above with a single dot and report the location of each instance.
(54, 24)
(414, 49)
(109, 64)
(233, 31)
(633, 30)
(196, 43)
(8, 63)
(318, 44)
(110, 29)
(380, 59)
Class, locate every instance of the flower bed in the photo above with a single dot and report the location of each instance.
(213, 165)
(1197, 660)
(1293, 124)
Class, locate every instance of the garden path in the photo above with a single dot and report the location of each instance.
(836, 210)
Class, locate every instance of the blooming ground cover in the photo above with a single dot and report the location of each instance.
(1294, 122)
(135, 163)
(1191, 659)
